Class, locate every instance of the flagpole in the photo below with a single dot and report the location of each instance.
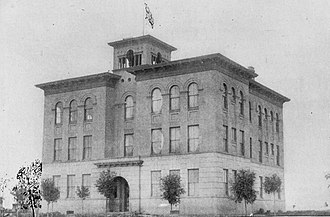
(143, 21)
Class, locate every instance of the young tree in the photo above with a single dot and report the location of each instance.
(171, 189)
(49, 192)
(272, 185)
(29, 182)
(105, 184)
(242, 188)
(82, 192)
(19, 197)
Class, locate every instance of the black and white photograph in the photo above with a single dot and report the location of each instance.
(164, 108)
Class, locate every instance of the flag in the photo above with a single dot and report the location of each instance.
(149, 15)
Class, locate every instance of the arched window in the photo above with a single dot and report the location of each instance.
(58, 113)
(225, 96)
(88, 110)
(73, 112)
(233, 94)
(129, 107)
(266, 114)
(271, 116)
(157, 100)
(259, 116)
(241, 103)
(193, 95)
(250, 111)
(277, 123)
(174, 98)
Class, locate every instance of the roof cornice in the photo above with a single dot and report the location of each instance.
(206, 62)
(258, 88)
(143, 38)
(79, 83)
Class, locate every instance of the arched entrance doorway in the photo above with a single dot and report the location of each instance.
(120, 200)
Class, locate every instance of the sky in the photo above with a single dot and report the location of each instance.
(287, 42)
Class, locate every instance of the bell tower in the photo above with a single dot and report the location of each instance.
(141, 50)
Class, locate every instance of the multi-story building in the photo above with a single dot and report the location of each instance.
(203, 118)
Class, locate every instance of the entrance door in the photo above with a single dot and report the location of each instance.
(120, 200)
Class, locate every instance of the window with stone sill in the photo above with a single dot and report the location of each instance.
(71, 186)
(157, 140)
(277, 124)
(225, 137)
(129, 108)
(175, 139)
(241, 103)
(259, 117)
(57, 149)
(87, 148)
(156, 101)
(193, 138)
(233, 93)
(86, 182)
(233, 135)
(128, 145)
(58, 113)
(174, 98)
(73, 112)
(193, 182)
(193, 96)
(88, 110)
(72, 147)
(266, 114)
(225, 96)
(226, 181)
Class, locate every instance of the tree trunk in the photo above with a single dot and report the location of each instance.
(52, 209)
(82, 206)
(33, 214)
(274, 205)
(171, 207)
(245, 208)
(48, 209)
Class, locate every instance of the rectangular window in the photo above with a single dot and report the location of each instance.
(251, 148)
(128, 143)
(72, 147)
(70, 186)
(156, 141)
(175, 139)
(87, 148)
(233, 135)
(267, 148)
(242, 143)
(272, 148)
(260, 151)
(155, 183)
(57, 149)
(277, 155)
(175, 172)
(261, 187)
(56, 180)
(193, 138)
(225, 137)
(193, 181)
(225, 181)
(86, 181)
(250, 112)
